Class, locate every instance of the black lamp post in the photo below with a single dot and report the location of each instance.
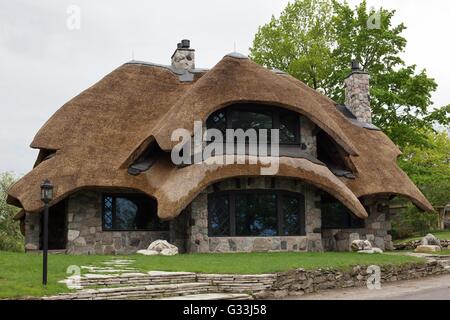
(46, 197)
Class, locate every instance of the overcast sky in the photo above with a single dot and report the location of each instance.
(43, 64)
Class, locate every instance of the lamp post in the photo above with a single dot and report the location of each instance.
(46, 197)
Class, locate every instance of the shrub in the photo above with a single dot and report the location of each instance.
(11, 238)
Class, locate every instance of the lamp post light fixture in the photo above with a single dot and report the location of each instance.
(46, 197)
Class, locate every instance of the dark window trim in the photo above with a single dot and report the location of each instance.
(113, 213)
(273, 110)
(279, 195)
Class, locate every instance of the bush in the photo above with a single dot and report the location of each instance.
(413, 222)
(11, 238)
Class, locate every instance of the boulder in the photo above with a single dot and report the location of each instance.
(169, 252)
(377, 250)
(359, 245)
(427, 249)
(161, 247)
(371, 251)
(430, 240)
(148, 252)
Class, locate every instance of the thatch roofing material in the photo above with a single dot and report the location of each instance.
(98, 133)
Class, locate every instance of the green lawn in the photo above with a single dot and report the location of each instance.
(20, 274)
(439, 234)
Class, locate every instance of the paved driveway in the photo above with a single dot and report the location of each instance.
(430, 288)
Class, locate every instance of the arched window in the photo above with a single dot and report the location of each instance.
(256, 213)
(252, 116)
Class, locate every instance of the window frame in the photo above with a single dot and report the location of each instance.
(255, 108)
(279, 211)
(113, 212)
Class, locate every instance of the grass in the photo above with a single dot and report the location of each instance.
(445, 234)
(20, 273)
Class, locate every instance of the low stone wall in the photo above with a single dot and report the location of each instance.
(300, 281)
(411, 245)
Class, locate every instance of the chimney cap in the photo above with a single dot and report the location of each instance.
(185, 44)
(355, 65)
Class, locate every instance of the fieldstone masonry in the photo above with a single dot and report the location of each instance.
(357, 96)
(32, 231)
(199, 241)
(85, 234)
(377, 227)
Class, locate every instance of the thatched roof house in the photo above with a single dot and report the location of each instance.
(112, 144)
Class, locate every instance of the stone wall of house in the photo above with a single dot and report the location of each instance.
(32, 231)
(199, 241)
(85, 234)
(377, 228)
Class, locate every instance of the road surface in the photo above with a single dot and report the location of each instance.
(430, 288)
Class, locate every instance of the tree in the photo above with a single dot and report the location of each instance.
(315, 40)
(11, 238)
(429, 167)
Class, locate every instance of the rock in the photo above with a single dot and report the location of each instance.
(161, 247)
(148, 252)
(72, 234)
(430, 240)
(169, 252)
(360, 245)
(30, 247)
(370, 251)
(377, 250)
(427, 249)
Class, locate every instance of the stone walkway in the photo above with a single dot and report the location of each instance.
(117, 279)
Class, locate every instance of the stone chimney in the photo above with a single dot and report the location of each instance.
(357, 94)
(184, 57)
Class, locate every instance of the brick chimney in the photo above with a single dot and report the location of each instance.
(184, 57)
(357, 94)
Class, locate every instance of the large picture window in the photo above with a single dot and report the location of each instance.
(131, 212)
(251, 116)
(256, 213)
(336, 216)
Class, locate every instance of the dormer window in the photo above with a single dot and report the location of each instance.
(251, 116)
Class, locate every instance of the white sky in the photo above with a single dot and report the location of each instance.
(43, 64)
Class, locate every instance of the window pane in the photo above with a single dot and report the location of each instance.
(336, 216)
(126, 211)
(288, 127)
(291, 210)
(251, 120)
(256, 214)
(217, 120)
(133, 212)
(107, 213)
(219, 217)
